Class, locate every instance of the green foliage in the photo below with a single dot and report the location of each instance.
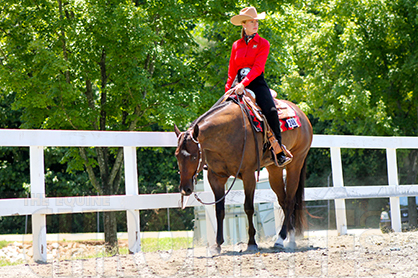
(158, 173)
(158, 244)
(146, 62)
(3, 243)
(60, 60)
(354, 65)
(59, 182)
(14, 171)
(145, 65)
(5, 262)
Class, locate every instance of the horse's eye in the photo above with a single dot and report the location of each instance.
(194, 157)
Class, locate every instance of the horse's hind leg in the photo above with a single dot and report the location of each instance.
(249, 188)
(217, 184)
(288, 202)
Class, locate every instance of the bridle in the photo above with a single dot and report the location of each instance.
(200, 165)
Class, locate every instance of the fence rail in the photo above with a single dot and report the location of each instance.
(38, 205)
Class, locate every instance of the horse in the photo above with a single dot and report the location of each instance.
(220, 139)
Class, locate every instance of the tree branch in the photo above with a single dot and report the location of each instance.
(64, 44)
(103, 166)
(103, 97)
(7, 34)
(90, 100)
(61, 104)
(137, 113)
(90, 171)
(116, 184)
(116, 166)
(172, 83)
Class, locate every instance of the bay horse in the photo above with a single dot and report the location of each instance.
(223, 140)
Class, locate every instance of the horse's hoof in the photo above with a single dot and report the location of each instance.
(290, 242)
(215, 250)
(252, 247)
(291, 245)
(279, 243)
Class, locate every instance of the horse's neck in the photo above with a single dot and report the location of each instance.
(220, 126)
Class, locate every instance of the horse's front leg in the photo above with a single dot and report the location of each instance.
(249, 188)
(217, 184)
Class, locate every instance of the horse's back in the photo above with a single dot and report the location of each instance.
(227, 119)
(298, 139)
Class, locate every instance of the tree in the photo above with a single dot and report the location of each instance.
(355, 64)
(112, 65)
(143, 65)
(357, 55)
(98, 65)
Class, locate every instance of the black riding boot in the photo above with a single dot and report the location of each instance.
(266, 103)
(273, 121)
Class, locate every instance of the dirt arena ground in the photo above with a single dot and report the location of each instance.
(369, 254)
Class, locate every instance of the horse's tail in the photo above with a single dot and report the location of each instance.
(299, 213)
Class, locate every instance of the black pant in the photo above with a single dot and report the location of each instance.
(266, 103)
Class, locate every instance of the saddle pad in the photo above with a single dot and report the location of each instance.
(287, 115)
(289, 123)
(255, 121)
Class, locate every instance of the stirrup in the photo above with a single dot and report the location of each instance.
(277, 148)
(287, 152)
(283, 160)
(286, 160)
(287, 156)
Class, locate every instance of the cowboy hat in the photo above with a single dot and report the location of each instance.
(247, 14)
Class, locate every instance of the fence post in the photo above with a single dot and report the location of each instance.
(395, 211)
(211, 225)
(131, 188)
(338, 181)
(37, 190)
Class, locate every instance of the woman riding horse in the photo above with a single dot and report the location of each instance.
(246, 71)
(220, 139)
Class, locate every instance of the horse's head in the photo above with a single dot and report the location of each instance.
(189, 158)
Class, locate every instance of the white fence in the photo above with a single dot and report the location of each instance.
(38, 205)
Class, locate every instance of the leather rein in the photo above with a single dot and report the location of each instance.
(244, 113)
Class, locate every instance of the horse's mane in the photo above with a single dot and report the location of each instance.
(218, 105)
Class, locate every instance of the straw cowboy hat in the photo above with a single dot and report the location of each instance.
(247, 14)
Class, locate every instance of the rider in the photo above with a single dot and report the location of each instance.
(246, 68)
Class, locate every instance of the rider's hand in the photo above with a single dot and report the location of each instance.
(239, 89)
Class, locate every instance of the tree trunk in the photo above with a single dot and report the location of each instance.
(110, 231)
(110, 224)
(412, 211)
(110, 185)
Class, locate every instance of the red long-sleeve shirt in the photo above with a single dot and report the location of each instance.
(254, 56)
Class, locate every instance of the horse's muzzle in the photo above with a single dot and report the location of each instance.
(184, 201)
(186, 188)
(186, 191)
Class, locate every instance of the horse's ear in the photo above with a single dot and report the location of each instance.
(177, 130)
(195, 132)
